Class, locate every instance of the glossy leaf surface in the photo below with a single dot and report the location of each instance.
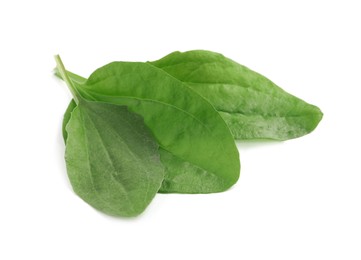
(252, 105)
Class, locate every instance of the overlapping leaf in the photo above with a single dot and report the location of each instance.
(197, 149)
(112, 158)
(191, 102)
(252, 105)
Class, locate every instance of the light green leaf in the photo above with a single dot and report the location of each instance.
(112, 159)
(66, 118)
(252, 106)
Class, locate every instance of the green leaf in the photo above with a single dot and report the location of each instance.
(112, 159)
(252, 106)
(73, 79)
(66, 118)
(197, 148)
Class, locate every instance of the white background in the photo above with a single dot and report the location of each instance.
(299, 199)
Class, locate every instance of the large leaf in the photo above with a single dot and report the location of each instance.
(112, 158)
(252, 105)
(197, 148)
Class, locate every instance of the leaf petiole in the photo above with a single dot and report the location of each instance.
(61, 72)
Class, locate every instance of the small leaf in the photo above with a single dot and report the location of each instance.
(112, 159)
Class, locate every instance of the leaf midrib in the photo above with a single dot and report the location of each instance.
(144, 170)
(89, 165)
(174, 107)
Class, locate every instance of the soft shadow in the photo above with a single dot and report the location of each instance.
(251, 144)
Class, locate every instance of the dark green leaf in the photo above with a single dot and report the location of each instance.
(252, 106)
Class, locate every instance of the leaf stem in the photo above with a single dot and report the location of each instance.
(74, 77)
(60, 69)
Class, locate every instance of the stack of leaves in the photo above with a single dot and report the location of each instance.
(134, 129)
